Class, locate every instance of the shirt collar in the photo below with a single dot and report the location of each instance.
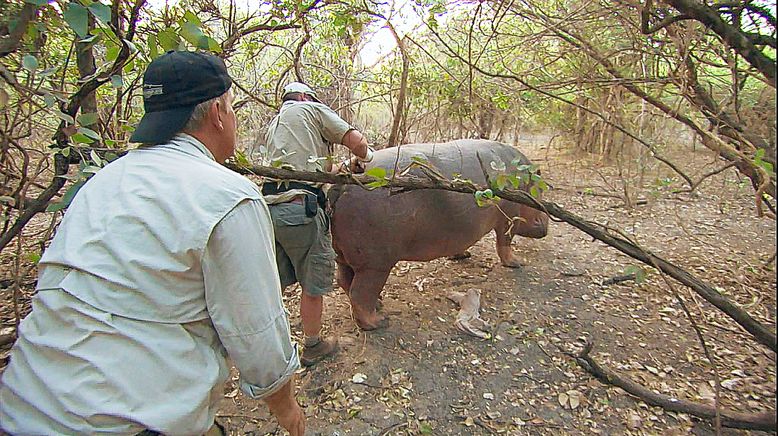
(191, 144)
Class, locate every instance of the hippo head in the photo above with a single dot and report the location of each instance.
(534, 223)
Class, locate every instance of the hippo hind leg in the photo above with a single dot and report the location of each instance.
(345, 276)
(364, 293)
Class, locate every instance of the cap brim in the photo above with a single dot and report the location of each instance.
(161, 126)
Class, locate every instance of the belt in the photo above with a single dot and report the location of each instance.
(273, 188)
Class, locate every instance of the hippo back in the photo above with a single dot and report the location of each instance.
(379, 227)
(455, 158)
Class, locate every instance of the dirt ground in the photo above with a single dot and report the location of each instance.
(422, 376)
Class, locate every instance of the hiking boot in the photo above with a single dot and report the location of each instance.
(315, 354)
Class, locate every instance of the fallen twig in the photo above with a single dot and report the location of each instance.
(391, 428)
(618, 279)
(751, 421)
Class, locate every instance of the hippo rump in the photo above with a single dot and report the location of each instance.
(373, 230)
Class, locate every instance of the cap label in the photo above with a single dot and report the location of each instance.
(150, 90)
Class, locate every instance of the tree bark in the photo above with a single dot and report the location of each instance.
(399, 113)
(732, 36)
(85, 61)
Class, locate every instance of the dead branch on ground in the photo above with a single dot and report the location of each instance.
(753, 421)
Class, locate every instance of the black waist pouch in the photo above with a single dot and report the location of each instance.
(311, 205)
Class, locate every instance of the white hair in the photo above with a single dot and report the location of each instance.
(200, 111)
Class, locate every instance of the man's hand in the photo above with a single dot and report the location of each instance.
(353, 165)
(293, 420)
(284, 407)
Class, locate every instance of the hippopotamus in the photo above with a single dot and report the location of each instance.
(374, 229)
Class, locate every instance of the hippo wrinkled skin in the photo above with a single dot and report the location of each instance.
(373, 230)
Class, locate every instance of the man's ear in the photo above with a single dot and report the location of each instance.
(214, 113)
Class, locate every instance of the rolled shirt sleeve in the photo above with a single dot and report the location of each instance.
(243, 295)
(333, 127)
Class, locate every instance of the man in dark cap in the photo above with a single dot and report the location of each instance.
(162, 266)
(302, 135)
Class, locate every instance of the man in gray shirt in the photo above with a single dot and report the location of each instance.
(162, 266)
(302, 135)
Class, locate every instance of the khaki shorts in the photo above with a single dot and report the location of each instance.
(303, 248)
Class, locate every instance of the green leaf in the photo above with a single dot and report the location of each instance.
(129, 66)
(212, 45)
(34, 257)
(533, 191)
(153, 48)
(497, 165)
(131, 46)
(377, 183)
(91, 38)
(377, 172)
(90, 169)
(514, 181)
(101, 12)
(89, 133)
(37, 2)
(425, 428)
(111, 53)
(190, 17)
(168, 39)
(482, 197)
(29, 62)
(80, 138)
(67, 198)
(87, 119)
(77, 18)
(117, 81)
(191, 33)
(65, 117)
(95, 158)
(48, 72)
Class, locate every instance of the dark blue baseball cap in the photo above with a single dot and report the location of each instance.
(173, 85)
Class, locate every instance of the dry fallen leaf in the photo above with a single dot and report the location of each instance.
(574, 399)
(706, 393)
(634, 421)
(563, 399)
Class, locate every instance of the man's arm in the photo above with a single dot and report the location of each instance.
(243, 295)
(355, 141)
(335, 129)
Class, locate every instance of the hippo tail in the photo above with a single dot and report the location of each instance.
(333, 194)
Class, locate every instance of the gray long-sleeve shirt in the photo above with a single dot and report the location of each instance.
(100, 354)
